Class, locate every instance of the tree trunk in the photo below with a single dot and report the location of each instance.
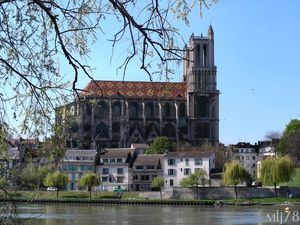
(235, 190)
(160, 194)
(275, 189)
(90, 189)
(56, 192)
(197, 192)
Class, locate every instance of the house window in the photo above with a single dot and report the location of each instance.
(139, 167)
(145, 177)
(187, 171)
(253, 157)
(242, 157)
(150, 167)
(104, 179)
(247, 157)
(186, 162)
(171, 162)
(105, 171)
(135, 177)
(119, 160)
(171, 182)
(171, 172)
(105, 160)
(120, 171)
(112, 160)
(120, 179)
(198, 161)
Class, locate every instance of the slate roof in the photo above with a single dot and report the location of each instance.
(88, 155)
(136, 89)
(116, 152)
(188, 154)
(148, 160)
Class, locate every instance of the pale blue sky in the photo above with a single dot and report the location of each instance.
(257, 50)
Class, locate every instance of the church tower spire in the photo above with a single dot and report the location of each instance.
(202, 94)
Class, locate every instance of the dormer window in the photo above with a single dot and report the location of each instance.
(119, 160)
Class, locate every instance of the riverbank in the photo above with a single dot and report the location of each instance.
(133, 198)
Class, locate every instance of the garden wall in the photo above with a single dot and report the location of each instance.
(228, 192)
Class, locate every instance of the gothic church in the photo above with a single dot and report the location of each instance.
(118, 113)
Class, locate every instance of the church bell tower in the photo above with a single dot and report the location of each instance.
(200, 74)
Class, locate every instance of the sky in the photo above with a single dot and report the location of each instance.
(257, 54)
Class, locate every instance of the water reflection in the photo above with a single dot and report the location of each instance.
(152, 215)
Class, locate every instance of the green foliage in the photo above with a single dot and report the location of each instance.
(90, 180)
(292, 127)
(195, 179)
(235, 174)
(160, 145)
(158, 182)
(290, 141)
(274, 170)
(31, 176)
(56, 179)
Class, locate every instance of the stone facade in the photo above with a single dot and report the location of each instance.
(118, 113)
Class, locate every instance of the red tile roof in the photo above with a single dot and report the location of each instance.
(135, 89)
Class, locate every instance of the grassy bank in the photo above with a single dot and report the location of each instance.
(71, 195)
(133, 198)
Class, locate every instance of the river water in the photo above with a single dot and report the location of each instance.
(61, 214)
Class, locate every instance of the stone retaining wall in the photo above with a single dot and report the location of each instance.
(228, 192)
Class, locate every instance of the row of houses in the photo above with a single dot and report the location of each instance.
(129, 169)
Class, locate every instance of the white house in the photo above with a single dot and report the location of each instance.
(247, 155)
(113, 165)
(178, 165)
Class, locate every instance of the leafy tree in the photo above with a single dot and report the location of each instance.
(90, 180)
(274, 170)
(160, 145)
(235, 174)
(290, 141)
(158, 182)
(56, 179)
(31, 176)
(195, 180)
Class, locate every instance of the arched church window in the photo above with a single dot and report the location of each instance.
(133, 110)
(116, 109)
(102, 131)
(182, 110)
(201, 107)
(167, 109)
(204, 56)
(101, 109)
(149, 110)
(88, 109)
(169, 130)
(197, 56)
(202, 131)
(116, 127)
